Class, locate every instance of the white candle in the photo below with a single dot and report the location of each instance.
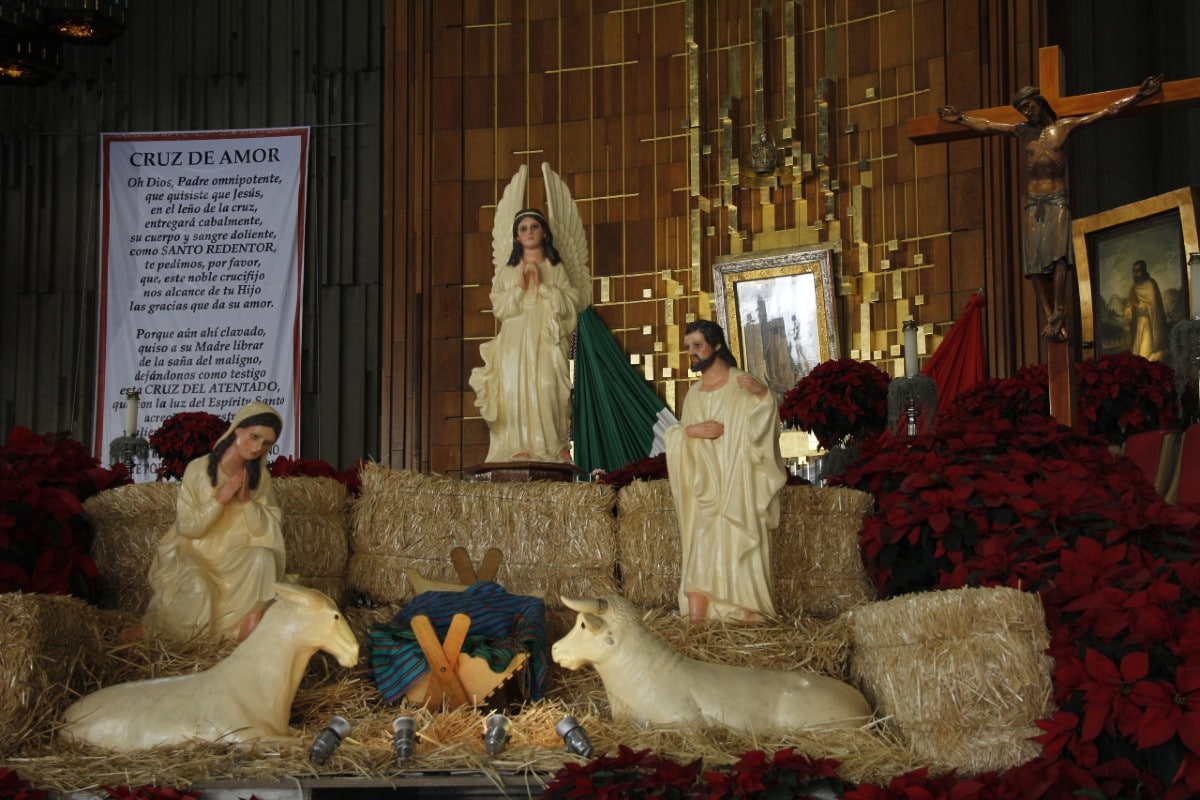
(910, 349)
(1194, 283)
(131, 409)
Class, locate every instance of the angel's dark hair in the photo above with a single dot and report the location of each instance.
(548, 249)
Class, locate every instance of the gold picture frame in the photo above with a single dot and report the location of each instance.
(777, 309)
(1160, 231)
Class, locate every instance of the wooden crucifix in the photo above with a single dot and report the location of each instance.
(1042, 119)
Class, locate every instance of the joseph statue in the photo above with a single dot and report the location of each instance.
(725, 472)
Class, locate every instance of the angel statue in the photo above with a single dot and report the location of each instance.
(540, 285)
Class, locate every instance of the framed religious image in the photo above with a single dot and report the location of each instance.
(1131, 264)
(777, 310)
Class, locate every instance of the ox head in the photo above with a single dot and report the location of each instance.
(596, 631)
(313, 620)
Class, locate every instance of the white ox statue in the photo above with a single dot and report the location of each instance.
(246, 696)
(649, 683)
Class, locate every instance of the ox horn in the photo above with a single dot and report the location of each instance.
(597, 606)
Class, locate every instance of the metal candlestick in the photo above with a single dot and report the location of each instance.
(914, 396)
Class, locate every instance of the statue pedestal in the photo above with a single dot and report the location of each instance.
(521, 471)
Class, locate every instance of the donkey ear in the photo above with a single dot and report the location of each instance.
(293, 592)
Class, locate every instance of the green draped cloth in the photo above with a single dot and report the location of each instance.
(615, 410)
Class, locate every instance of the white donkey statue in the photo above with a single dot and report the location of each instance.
(246, 696)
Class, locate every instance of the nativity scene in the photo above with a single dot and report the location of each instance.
(746, 466)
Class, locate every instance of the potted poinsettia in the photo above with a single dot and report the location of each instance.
(840, 401)
(1123, 394)
(184, 437)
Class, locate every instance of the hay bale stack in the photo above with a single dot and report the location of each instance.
(814, 551)
(559, 538)
(316, 522)
(128, 522)
(963, 673)
(648, 544)
(817, 562)
(51, 648)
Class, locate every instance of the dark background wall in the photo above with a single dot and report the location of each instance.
(182, 65)
(1114, 43)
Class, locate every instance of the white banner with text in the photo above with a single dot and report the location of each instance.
(201, 264)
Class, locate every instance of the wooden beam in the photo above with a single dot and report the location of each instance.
(1174, 94)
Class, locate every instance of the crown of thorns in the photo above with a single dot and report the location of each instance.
(1028, 93)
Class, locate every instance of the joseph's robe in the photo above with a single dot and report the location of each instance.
(725, 492)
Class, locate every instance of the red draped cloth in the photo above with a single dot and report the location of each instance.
(960, 361)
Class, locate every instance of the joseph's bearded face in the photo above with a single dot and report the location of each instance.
(701, 354)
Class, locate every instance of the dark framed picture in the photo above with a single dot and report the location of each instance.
(1131, 264)
(778, 312)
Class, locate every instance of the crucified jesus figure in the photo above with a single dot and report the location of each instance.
(1046, 221)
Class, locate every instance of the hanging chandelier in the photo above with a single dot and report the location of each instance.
(29, 60)
(26, 55)
(84, 21)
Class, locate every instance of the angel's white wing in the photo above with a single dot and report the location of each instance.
(507, 207)
(570, 239)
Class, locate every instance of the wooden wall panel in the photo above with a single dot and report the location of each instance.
(422, 112)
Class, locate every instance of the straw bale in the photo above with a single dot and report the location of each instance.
(128, 523)
(558, 538)
(962, 673)
(51, 645)
(316, 522)
(648, 544)
(450, 740)
(814, 552)
(130, 520)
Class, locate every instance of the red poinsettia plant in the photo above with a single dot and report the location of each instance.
(1119, 395)
(838, 400)
(640, 773)
(1033, 505)
(1024, 394)
(183, 438)
(289, 467)
(13, 788)
(44, 535)
(1123, 394)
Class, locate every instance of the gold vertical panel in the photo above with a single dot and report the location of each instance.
(856, 208)
(831, 52)
(693, 110)
(864, 326)
(789, 67)
(694, 266)
(898, 286)
(727, 166)
(734, 74)
(822, 153)
(694, 160)
(693, 52)
(758, 46)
